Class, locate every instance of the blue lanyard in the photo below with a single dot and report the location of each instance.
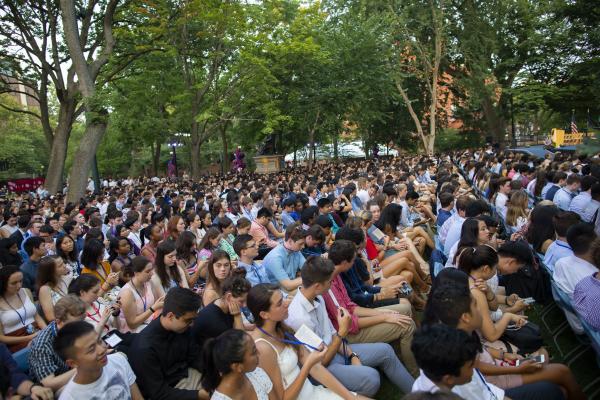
(291, 339)
(494, 397)
(563, 246)
(22, 318)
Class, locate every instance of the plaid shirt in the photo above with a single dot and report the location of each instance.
(43, 360)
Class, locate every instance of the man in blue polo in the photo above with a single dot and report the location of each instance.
(284, 262)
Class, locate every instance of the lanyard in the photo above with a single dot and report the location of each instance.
(96, 312)
(23, 317)
(291, 339)
(492, 394)
(562, 245)
(142, 298)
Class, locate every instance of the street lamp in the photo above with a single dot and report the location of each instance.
(177, 141)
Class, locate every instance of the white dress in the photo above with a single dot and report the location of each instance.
(260, 382)
(288, 364)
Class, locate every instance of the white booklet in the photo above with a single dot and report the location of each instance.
(305, 335)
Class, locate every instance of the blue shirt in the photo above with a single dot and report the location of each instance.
(15, 375)
(255, 273)
(442, 216)
(29, 269)
(283, 264)
(287, 219)
(557, 250)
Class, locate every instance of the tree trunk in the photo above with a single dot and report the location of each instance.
(96, 116)
(335, 146)
(225, 148)
(495, 123)
(195, 158)
(156, 157)
(82, 161)
(58, 151)
(311, 141)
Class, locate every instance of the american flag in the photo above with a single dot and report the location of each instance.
(573, 124)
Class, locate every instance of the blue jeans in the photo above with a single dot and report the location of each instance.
(364, 379)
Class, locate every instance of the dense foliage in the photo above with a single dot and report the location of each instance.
(214, 74)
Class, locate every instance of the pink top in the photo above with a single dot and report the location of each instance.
(340, 299)
(260, 234)
(142, 303)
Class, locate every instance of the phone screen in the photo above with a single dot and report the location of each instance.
(111, 339)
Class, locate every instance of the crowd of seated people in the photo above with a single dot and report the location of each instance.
(303, 285)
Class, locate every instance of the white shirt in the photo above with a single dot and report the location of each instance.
(313, 315)
(500, 204)
(568, 271)
(557, 250)
(477, 389)
(531, 186)
(114, 383)
(363, 195)
(445, 228)
(562, 198)
(453, 234)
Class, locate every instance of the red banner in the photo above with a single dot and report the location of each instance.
(25, 185)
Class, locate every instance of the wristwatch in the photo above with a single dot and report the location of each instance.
(354, 355)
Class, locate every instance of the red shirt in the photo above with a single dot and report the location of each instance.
(338, 290)
(372, 251)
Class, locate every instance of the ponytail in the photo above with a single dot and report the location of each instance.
(218, 355)
(473, 258)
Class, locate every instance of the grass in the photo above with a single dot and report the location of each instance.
(583, 363)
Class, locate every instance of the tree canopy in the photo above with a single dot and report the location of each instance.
(129, 77)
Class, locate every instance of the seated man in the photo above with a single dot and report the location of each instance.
(560, 248)
(308, 308)
(224, 313)
(283, 263)
(325, 208)
(286, 214)
(568, 271)
(246, 248)
(446, 207)
(35, 247)
(98, 374)
(369, 325)
(15, 382)
(45, 365)
(314, 241)
(587, 293)
(259, 231)
(164, 355)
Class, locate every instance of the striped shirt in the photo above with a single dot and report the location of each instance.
(585, 300)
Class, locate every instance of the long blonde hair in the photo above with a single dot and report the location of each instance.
(517, 207)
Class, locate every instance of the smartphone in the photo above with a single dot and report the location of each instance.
(528, 300)
(112, 339)
(537, 359)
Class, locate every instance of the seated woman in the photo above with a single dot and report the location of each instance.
(87, 288)
(274, 226)
(19, 320)
(402, 263)
(480, 264)
(226, 243)
(518, 210)
(194, 225)
(540, 230)
(281, 355)
(65, 249)
(154, 235)
(137, 300)
(187, 258)
(119, 251)
(230, 369)
(219, 268)
(94, 264)
(167, 274)
(51, 284)
(210, 242)
(474, 232)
